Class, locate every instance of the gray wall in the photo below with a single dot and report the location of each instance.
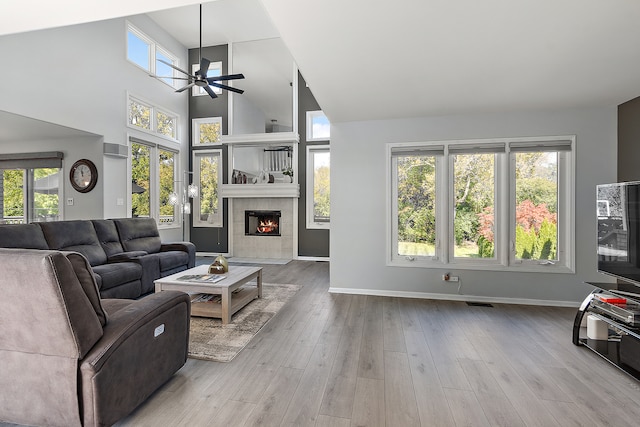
(359, 191)
(210, 239)
(311, 242)
(85, 78)
(629, 141)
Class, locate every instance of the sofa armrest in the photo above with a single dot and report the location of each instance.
(187, 247)
(126, 256)
(143, 345)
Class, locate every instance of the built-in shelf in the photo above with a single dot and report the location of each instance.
(262, 138)
(260, 190)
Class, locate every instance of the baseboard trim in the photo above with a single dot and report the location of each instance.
(211, 254)
(313, 258)
(455, 297)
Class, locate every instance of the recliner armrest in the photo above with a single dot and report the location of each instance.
(187, 247)
(126, 256)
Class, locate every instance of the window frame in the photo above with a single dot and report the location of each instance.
(218, 217)
(309, 120)
(154, 49)
(504, 208)
(311, 223)
(154, 180)
(153, 118)
(195, 131)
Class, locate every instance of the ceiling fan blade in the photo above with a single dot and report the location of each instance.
(174, 67)
(227, 77)
(225, 87)
(210, 91)
(204, 67)
(182, 89)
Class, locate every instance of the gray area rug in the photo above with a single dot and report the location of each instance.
(209, 339)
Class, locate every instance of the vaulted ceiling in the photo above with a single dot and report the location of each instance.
(367, 60)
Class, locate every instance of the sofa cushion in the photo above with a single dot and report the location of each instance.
(108, 236)
(138, 234)
(116, 274)
(75, 236)
(27, 236)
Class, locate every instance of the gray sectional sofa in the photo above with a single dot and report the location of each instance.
(125, 254)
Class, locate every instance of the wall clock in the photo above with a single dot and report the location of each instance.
(83, 175)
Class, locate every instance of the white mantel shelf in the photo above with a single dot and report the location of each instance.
(260, 190)
(261, 138)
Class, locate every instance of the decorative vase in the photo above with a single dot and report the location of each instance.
(220, 265)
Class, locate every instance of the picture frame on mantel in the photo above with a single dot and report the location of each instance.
(206, 132)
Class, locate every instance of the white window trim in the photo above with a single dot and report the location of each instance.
(505, 198)
(154, 178)
(153, 119)
(197, 90)
(311, 224)
(217, 218)
(195, 131)
(310, 116)
(153, 48)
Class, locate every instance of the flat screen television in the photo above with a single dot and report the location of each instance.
(618, 210)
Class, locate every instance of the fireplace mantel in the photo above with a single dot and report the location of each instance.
(260, 190)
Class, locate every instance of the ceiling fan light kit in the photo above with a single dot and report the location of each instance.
(199, 78)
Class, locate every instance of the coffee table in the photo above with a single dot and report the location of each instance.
(230, 301)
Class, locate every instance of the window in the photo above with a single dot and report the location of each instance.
(31, 187)
(498, 204)
(215, 69)
(207, 172)
(318, 127)
(153, 170)
(146, 116)
(147, 54)
(206, 131)
(318, 186)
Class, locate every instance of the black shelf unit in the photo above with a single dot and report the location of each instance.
(622, 347)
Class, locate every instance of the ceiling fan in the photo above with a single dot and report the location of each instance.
(199, 78)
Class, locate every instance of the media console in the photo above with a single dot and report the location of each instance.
(608, 322)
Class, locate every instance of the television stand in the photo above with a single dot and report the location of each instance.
(615, 326)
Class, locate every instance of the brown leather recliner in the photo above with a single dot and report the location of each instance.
(68, 358)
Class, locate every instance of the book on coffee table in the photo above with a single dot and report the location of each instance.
(201, 278)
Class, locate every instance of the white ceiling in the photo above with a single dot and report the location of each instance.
(368, 60)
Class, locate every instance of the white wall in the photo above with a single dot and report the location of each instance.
(358, 215)
(87, 205)
(78, 76)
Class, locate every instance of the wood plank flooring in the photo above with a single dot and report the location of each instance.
(353, 360)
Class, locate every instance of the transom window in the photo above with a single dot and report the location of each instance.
(215, 69)
(146, 54)
(206, 131)
(146, 116)
(318, 126)
(491, 204)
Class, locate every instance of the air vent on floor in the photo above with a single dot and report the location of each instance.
(479, 304)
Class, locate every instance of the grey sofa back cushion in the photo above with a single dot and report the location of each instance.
(75, 236)
(41, 289)
(108, 236)
(85, 276)
(138, 234)
(27, 236)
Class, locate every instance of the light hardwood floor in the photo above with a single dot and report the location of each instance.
(353, 360)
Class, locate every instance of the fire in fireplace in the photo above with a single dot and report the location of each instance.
(261, 223)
